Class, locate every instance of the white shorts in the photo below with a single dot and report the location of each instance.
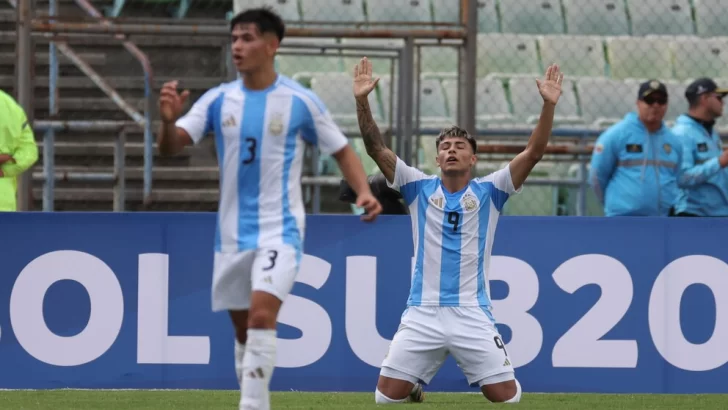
(236, 275)
(427, 334)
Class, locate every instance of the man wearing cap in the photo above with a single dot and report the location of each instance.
(635, 163)
(704, 179)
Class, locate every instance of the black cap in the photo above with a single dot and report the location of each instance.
(650, 87)
(702, 86)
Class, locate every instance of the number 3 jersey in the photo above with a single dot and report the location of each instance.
(260, 137)
(452, 234)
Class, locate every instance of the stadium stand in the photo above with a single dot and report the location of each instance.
(604, 46)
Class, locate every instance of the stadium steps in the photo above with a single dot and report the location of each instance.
(102, 154)
(175, 188)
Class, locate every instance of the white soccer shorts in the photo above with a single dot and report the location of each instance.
(236, 275)
(427, 334)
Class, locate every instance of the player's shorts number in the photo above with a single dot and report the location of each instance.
(499, 344)
(453, 218)
(252, 144)
(272, 256)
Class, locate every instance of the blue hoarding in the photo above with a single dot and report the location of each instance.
(584, 304)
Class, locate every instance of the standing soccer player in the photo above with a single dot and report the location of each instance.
(261, 124)
(453, 225)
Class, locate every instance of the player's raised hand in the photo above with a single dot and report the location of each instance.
(550, 86)
(370, 204)
(171, 102)
(364, 83)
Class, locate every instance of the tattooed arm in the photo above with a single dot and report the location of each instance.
(383, 156)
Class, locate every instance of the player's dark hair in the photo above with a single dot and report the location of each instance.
(267, 20)
(456, 132)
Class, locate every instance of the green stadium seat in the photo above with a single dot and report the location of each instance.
(433, 109)
(439, 59)
(381, 66)
(507, 54)
(448, 11)
(433, 106)
(660, 17)
(577, 56)
(604, 101)
(288, 9)
(427, 154)
(596, 17)
(531, 17)
(335, 90)
(711, 17)
(527, 102)
(336, 11)
(410, 11)
(639, 57)
(697, 57)
(492, 107)
(315, 60)
(387, 88)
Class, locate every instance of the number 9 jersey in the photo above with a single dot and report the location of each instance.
(260, 137)
(453, 235)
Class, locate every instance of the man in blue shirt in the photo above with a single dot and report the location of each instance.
(635, 163)
(704, 179)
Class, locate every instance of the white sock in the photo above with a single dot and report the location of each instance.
(258, 363)
(239, 352)
(379, 398)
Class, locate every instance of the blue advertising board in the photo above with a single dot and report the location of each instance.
(584, 304)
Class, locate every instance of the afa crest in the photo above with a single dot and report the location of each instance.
(667, 148)
(469, 202)
(275, 126)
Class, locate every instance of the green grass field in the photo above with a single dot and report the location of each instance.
(187, 399)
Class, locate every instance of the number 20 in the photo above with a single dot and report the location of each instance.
(581, 346)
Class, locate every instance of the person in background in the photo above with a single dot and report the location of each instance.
(635, 163)
(390, 199)
(704, 178)
(18, 150)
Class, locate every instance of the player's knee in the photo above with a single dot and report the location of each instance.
(503, 392)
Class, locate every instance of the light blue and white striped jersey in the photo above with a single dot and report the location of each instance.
(260, 138)
(452, 234)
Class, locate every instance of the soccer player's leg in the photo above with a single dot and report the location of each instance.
(231, 288)
(480, 352)
(273, 276)
(415, 354)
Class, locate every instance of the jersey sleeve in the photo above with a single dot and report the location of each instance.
(199, 120)
(502, 186)
(407, 180)
(322, 131)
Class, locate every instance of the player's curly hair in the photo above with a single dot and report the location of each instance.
(456, 132)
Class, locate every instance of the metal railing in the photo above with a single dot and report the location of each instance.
(25, 16)
(117, 177)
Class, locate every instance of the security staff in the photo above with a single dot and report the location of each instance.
(635, 163)
(704, 178)
(18, 150)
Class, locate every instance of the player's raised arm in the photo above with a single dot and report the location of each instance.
(171, 139)
(364, 83)
(550, 89)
